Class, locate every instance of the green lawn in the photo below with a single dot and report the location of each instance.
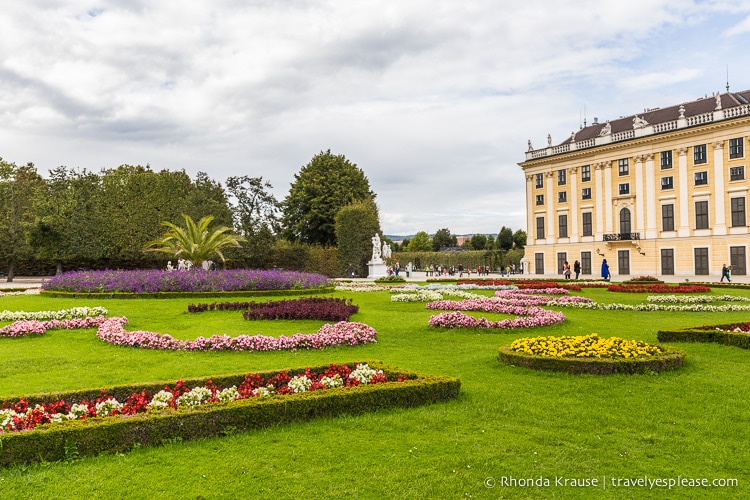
(507, 423)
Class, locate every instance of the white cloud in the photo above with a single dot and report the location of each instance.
(435, 101)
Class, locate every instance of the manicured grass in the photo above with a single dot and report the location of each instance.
(507, 421)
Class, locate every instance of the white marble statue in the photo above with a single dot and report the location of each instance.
(386, 250)
(375, 248)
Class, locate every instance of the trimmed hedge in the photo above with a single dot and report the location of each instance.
(185, 295)
(702, 334)
(93, 436)
(671, 359)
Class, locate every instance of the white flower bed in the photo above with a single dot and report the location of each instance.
(75, 312)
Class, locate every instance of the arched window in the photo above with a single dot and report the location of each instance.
(625, 220)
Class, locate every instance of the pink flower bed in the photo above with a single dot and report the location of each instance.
(329, 335)
(112, 330)
(536, 317)
(33, 327)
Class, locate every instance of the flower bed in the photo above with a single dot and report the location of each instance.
(696, 299)
(326, 309)
(75, 312)
(643, 279)
(528, 316)
(112, 330)
(329, 335)
(590, 354)
(195, 280)
(732, 334)
(659, 288)
(19, 416)
(152, 419)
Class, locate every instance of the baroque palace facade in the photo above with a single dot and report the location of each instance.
(660, 193)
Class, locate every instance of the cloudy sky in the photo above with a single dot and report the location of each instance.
(434, 100)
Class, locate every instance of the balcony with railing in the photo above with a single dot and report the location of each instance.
(621, 237)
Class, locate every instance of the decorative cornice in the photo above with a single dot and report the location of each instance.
(718, 145)
(682, 151)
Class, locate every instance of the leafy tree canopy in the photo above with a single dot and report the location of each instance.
(519, 239)
(356, 224)
(420, 243)
(505, 238)
(443, 238)
(320, 189)
(479, 242)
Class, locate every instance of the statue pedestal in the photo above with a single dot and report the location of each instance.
(377, 269)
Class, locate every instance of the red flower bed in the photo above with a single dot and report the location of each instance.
(326, 309)
(659, 288)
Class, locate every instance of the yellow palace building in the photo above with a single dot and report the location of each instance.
(660, 193)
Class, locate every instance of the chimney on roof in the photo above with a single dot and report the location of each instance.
(596, 121)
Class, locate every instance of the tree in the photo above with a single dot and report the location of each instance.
(478, 242)
(255, 214)
(443, 238)
(420, 243)
(356, 224)
(519, 239)
(320, 189)
(505, 238)
(17, 189)
(195, 242)
(490, 243)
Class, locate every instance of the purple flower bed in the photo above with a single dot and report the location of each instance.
(195, 280)
(326, 309)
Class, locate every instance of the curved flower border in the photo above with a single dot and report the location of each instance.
(529, 316)
(112, 330)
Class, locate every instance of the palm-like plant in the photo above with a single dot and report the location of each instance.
(195, 242)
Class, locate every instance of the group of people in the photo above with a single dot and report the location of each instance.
(576, 269)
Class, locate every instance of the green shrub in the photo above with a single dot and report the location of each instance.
(118, 434)
(735, 339)
(390, 279)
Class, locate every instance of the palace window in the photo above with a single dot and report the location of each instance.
(586, 173)
(624, 188)
(540, 199)
(699, 154)
(666, 160)
(701, 215)
(736, 149)
(540, 228)
(563, 225)
(539, 180)
(562, 177)
(738, 211)
(737, 173)
(562, 197)
(667, 182)
(667, 217)
(701, 178)
(586, 193)
(586, 223)
(623, 166)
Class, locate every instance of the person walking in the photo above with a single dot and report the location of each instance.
(577, 268)
(605, 269)
(724, 273)
(566, 270)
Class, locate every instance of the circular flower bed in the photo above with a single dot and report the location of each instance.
(590, 354)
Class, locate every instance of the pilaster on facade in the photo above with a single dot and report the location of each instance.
(573, 176)
(529, 205)
(683, 224)
(550, 208)
(651, 229)
(598, 179)
(720, 226)
(608, 197)
(640, 221)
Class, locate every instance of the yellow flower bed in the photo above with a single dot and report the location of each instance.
(585, 346)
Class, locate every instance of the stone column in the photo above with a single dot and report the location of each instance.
(551, 202)
(640, 219)
(573, 175)
(530, 208)
(598, 174)
(608, 197)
